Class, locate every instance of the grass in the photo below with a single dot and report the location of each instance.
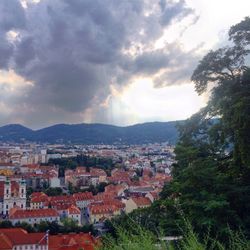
(137, 238)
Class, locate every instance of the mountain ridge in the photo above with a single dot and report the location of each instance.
(93, 133)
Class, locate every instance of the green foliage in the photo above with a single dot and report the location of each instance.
(5, 224)
(135, 237)
(211, 176)
(25, 226)
(53, 191)
(54, 227)
(99, 188)
(106, 164)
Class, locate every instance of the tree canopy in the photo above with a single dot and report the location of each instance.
(210, 185)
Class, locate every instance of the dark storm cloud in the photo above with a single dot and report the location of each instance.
(72, 50)
(12, 16)
(173, 11)
(6, 51)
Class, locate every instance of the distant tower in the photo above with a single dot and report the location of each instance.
(7, 189)
(22, 194)
(7, 196)
(22, 189)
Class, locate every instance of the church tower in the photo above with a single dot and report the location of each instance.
(7, 196)
(22, 194)
(22, 189)
(7, 189)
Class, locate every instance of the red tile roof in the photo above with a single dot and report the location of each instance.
(35, 213)
(72, 242)
(83, 196)
(18, 236)
(39, 197)
(103, 209)
(5, 243)
(74, 210)
(141, 201)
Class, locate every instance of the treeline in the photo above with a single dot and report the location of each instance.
(210, 186)
(67, 226)
(106, 164)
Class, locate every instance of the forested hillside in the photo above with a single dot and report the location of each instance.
(150, 132)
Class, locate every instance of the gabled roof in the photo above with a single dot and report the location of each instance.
(83, 196)
(141, 201)
(74, 210)
(72, 241)
(18, 236)
(35, 213)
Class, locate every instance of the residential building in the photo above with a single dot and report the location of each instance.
(18, 238)
(33, 217)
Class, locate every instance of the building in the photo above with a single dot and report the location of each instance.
(12, 194)
(72, 241)
(141, 202)
(39, 200)
(101, 212)
(33, 217)
(106, 209)
(83, 199)
(18, 238)
(74, 213)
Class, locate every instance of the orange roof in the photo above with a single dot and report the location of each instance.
(74, 210)
(103, 209)
(5, 243)
(114, 188)
(72, 241)
(18, 236)
(35, 213)
(62, 199)
(83, 196)
(39, 197)
(141, 201)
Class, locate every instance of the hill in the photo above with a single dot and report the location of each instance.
(93, 133)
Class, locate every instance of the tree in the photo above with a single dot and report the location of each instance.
(6, 224)
(210, 184)
(213, 162)
(54, 191)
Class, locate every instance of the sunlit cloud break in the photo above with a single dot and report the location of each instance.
(109, 61)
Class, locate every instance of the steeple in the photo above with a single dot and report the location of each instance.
(22, 188)
(7, 188)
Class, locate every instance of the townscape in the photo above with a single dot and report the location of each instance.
(48, 184)
(124, 125)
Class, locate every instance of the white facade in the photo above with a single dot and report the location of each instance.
(13, 198)
(35, 220)
(30, 247)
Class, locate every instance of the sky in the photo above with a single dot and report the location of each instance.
(106, 61)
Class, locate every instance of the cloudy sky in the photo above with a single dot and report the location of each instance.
(110, 61)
